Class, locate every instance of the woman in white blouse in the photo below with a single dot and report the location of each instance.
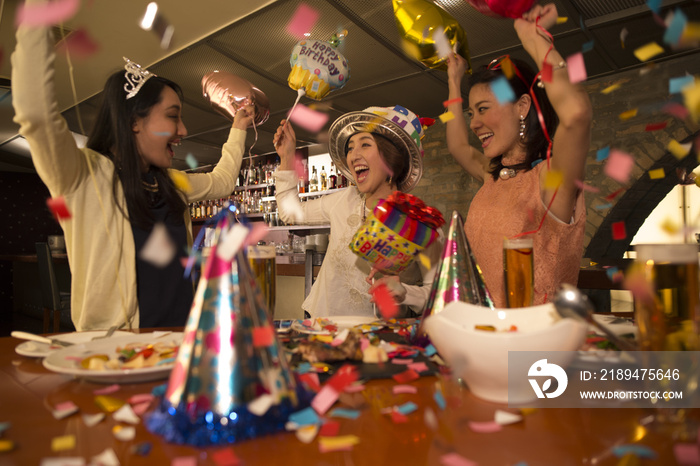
(380, 149)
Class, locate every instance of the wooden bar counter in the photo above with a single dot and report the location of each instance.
(28, 392)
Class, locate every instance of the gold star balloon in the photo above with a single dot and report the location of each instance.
(428, 33)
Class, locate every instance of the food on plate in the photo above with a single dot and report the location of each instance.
(491, 328)
(317, 349)
(132, 356)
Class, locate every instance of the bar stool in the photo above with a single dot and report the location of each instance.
(54, 301)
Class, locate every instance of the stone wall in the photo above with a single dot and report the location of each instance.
(446, 186)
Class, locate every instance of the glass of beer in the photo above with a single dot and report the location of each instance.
(519, 272)
(262, 264)
(667, 314)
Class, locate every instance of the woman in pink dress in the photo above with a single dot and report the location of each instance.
(521, 197)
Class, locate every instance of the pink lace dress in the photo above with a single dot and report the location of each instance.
(504, 208)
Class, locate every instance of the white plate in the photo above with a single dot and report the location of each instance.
(342, 322)
(63, 361)
(35, 349)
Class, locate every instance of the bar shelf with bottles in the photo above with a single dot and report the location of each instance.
(254, 194)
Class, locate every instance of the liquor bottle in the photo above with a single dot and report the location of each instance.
(332, 178)
(313, 182)
(323, 180)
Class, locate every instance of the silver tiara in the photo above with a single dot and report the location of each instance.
(135, 78)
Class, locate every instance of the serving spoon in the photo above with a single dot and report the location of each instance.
(570, 302)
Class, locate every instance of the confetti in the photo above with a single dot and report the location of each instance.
(439, 399)
(302, 21)
(623, 36)
(232, 242)
(58, 208)
(141, 449)
(124, 433)
(63, 461)
(407, 408)
(487, 427)
(306, 434)
(418, 366)
(675, 109)
(576, 67)
(612, 87)
(385, 301)
(624, 116)
(261, 404)
(324, 399)
(181, 181)
(225, 457)
(502, 90)
(655, 126)
(654, 5)
(191, 161)
(6, 445)
(330, 429)
(399, 389)
(619, 231)
(64, 410)
(447, 116)
(345, 413)
(342, 442)
(585, 187)
(159, 249)
(687, 454)
(619, 166)
(106, 390)
(587, 46)
(126, 414)
(675, 28)
(308, 119)
(602, 154)
(455, 459)
(442, 44)
(406, 376)
(676, 85)
(677, 149)
(398, 418)
(154, 21)
(553, 179)
(184, 461)
(106, 458)
(657, 174)
(648, 51)
(91, 420)
(263, 336)
(504, 417)
(46, 14)
(562, 19)
(637, 450)
(669, 226)
(108, 404)
(63, 442)
(447, 103)
(691, 98)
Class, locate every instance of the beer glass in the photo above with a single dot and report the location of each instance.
(668, 315)
(262, 264)
(666, 312)
(519, 272)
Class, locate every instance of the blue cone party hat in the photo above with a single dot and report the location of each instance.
(458, 277)
(231, 380)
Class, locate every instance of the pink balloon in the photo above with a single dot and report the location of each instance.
(510, 8)
(228, 93)
(504, 8)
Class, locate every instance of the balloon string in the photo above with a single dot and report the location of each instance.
(300, 92)
(539, 227)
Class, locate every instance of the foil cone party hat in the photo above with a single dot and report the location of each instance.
(458, 277)
(231, 380)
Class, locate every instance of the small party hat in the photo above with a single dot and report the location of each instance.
(458, 276)
(231, 380)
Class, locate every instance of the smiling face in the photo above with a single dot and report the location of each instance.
(366, 163)
(497, 125)
(158, 131)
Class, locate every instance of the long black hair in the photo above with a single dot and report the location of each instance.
(113, 137)
(535, 141)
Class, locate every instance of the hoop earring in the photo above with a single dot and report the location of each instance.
(522, 128)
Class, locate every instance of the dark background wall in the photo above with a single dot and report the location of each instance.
(25, 220)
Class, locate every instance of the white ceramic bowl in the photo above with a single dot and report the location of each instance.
(480, 357)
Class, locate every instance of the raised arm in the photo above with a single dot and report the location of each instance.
(570, 102)
(457, 131)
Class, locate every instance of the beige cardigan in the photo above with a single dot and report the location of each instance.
(99, 241)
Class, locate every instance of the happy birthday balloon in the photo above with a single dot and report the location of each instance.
(417, 22)
(228, 93)
(317, 68)
(505, 8)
